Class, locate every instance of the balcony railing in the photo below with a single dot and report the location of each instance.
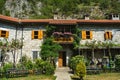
(65, 37)
(63, 40)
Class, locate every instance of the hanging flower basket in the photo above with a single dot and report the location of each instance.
(67, 34)
(57, 34)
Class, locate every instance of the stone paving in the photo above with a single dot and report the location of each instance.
(63, 73)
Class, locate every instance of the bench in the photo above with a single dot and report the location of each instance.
(16, 73)
(93, 70)
(2, 74)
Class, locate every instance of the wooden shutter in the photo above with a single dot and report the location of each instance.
(32, 34)
(110, 35)
(106, 35)
(7, 34)
(0, 33)
(83, 34)
(91, 34)
(40, 34)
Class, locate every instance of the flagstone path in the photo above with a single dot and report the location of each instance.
(63, 73)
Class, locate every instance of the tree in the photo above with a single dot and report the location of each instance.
(49, 50)
(2, 2)
(4, 46)
(15, 45)
(92, 45)
(108, 45)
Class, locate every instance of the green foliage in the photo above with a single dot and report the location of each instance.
(81, 70)
(2, 2)
(74, 61)
(49, 30)
(117, 62)
(26, 63)
(79, 6)
(68, 8)
(76, 37)
(49, 50)
(7, 13)
(24, 60)
(49, 68)
(44, 67)
(29, 65)
(7, 66)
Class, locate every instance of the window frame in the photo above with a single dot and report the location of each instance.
(35, 54)
(39, 35)
(85, 34)
(108, 35)
(4, 33)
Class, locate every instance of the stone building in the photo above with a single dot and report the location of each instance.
(31, 33)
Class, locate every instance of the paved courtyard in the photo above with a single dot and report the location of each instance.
(63, 73)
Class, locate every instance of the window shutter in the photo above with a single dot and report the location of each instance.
(40, 34)
(91, 34)
(83, 34)
(0, 33)
(7, 34)
(32, 34)
(106, 35)
(110, 35)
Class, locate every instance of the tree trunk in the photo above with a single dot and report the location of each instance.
(14, 62)
(109, 52)
(93, 56)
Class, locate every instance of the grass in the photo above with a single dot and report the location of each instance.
(33, 77)
(103, 76)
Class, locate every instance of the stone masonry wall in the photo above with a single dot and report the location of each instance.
(99, 30)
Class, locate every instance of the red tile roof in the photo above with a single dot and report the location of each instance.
(63, 22)
(35, 20)
(98, 21)
(54, 21)
(7, 18)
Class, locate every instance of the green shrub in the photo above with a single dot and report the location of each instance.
(49, 68)
(44, 66)
(117, 62)
(7, 66)
(39, 65)
(23, 61)
(29, 65)
(81, 70)
(74, 61)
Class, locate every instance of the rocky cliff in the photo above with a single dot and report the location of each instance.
(22, 8)
(61, 9)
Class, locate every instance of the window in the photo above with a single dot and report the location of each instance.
(37, 34)
(108, 35)
(4, 33)
(35, 55)
(87, 35)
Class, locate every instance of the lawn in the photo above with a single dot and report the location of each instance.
(104, 76)
(31, 77)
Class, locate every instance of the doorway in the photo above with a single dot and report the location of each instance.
(62, 59)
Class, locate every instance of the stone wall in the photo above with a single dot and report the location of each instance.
(29, 45)
(99, 30)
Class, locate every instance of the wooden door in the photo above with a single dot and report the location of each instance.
(60, 60)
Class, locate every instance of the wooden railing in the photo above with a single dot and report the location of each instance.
(63, 40)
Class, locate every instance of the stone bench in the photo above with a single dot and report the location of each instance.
(16, 73)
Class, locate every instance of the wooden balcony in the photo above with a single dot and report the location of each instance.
(63, 40)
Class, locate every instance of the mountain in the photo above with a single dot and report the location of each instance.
(63, 9)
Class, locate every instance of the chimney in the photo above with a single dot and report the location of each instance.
(55, 16)
(86, 17)
(115, 17)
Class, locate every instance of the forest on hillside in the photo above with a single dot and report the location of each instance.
(96, 9)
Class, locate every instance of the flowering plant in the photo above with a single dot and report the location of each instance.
(57, 34)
